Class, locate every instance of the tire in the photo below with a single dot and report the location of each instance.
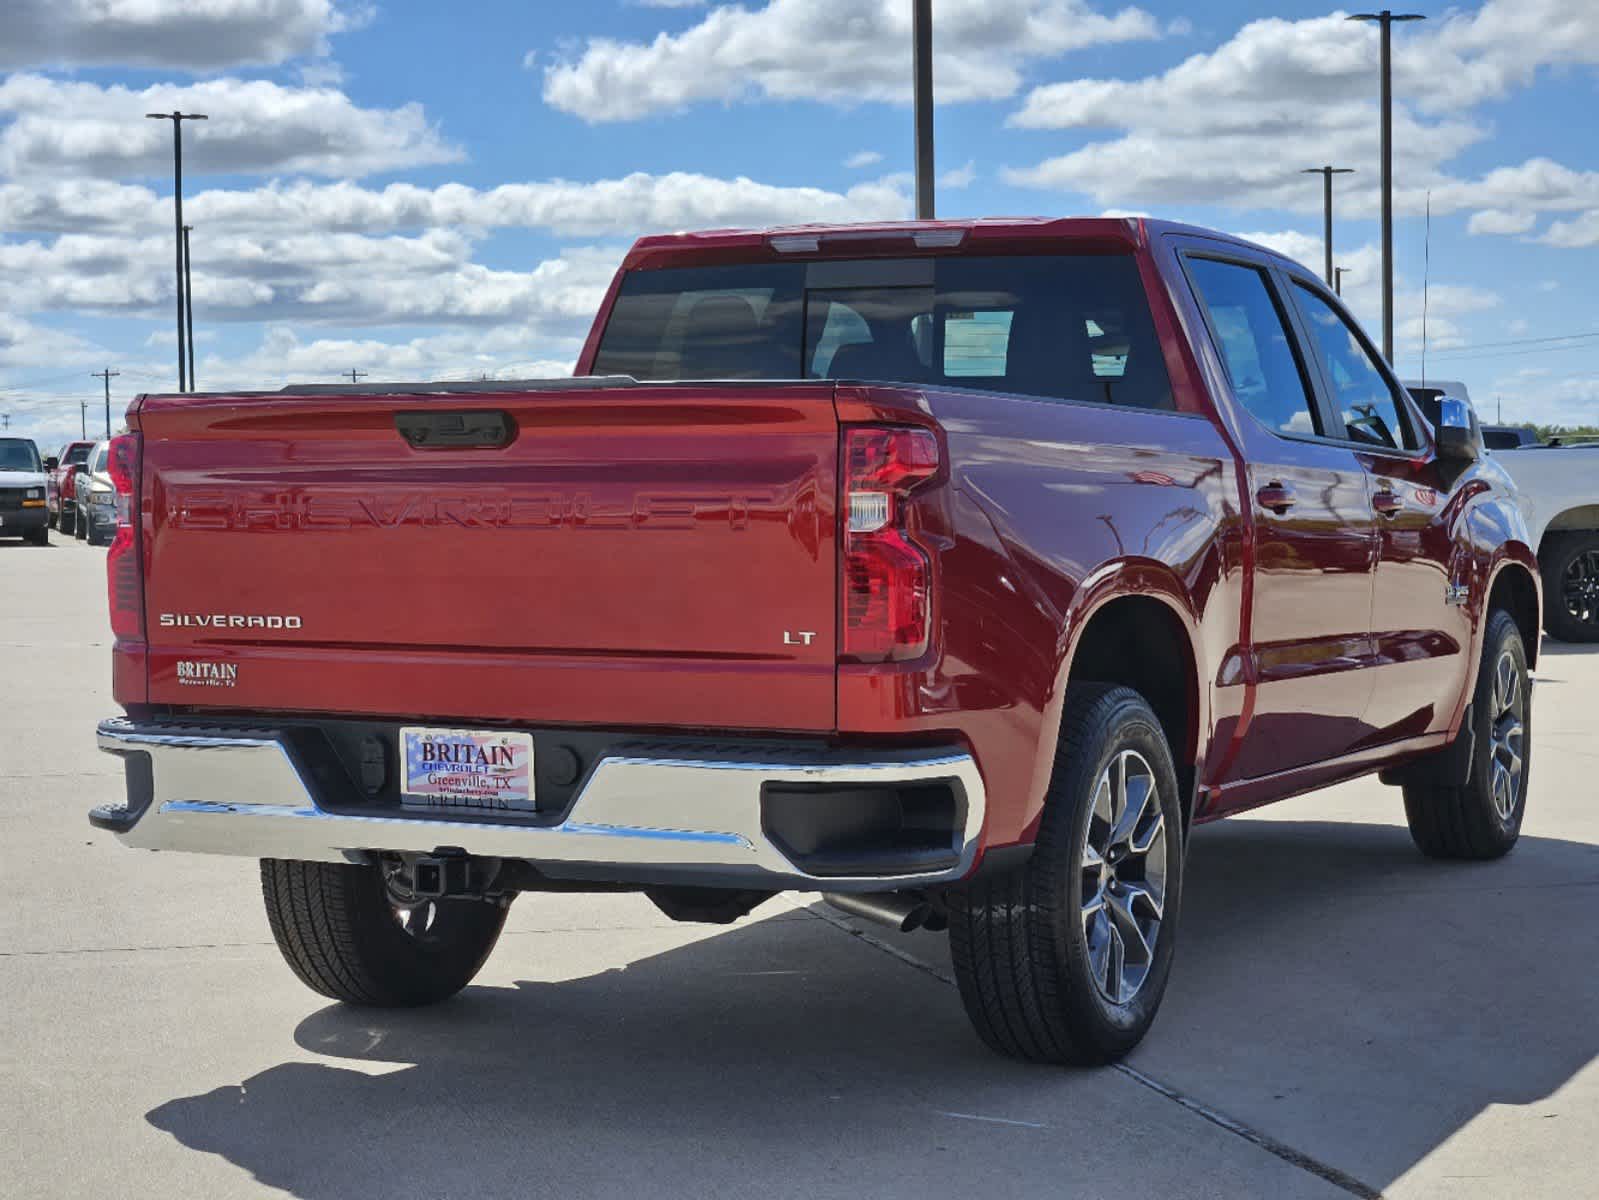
(1481, 818)
(1570, 568)
(80, 527)
(339, 931)
(53, 520)
(69, 521)
(38, 537)
(1033, 959)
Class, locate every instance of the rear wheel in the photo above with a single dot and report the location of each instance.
(1571, 586)
(355, 934)
(80, 528)
(1481, 818)
(1065, 959)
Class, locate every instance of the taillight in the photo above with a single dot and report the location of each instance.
(887, 577)
(123, 583)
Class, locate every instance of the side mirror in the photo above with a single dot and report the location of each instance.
(51, 463)
(1455, 431)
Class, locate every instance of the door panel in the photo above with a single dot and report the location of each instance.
(1314, 537)
(1417, 635)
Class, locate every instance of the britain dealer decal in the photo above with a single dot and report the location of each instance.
(193, 673)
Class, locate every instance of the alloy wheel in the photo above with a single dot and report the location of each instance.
(1508, 736)
(1124, 876)
(1579, 587)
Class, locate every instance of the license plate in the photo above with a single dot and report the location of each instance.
(489, 771)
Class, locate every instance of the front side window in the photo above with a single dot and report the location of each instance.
(1365, 402)
(1255, 344)
(1069, 327)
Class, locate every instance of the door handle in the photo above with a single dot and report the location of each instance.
(1278, 497)
(1388, 503)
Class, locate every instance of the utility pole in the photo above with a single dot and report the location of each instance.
(1385, 20)
(83, 419)
(1338, 280)
(6, 417)
(355, 375)
(922, 34)
(1326, 174)
(177, 119)
(108, 375)
(188, 302)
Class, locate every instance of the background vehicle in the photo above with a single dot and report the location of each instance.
(951, 570)
(22, 487)
(1509, 437)
(1558, 491)
(62, 493)
(95, 498)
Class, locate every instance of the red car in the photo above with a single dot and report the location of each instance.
(951, 570)
(61, 492)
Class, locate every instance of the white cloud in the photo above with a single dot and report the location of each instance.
(178, 34)
(633, 204)
(255, 127)
(1581, 231)
(958, 178)
(1235, 125)
(838, 51)
(863, 158)
(1500, 221)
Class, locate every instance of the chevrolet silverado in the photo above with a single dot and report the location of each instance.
(951, 570)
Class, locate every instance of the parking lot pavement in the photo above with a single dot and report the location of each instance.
(1345, 1017)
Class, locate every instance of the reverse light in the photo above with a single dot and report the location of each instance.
(887, 581)
(124, 587)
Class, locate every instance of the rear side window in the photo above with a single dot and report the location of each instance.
(1063, 327)
(1254, 341)
(1367, 407)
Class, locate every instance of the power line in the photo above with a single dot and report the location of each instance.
(1559, 337)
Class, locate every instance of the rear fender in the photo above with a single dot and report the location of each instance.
(1113, 581)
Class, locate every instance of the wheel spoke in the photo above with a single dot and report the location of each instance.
(1143, 895)
(1134, 944)
(1139, 791)
(1115, 964)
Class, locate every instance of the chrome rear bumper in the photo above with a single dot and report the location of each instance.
(636, 818)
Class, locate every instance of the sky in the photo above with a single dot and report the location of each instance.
(418, 190)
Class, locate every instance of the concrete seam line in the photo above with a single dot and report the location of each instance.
(1262, 1141)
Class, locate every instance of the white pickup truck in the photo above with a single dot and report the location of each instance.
(1559, 496)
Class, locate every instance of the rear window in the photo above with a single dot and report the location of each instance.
(77, 455)
(1061, 327)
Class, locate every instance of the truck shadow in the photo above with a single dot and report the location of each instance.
(1334, 990)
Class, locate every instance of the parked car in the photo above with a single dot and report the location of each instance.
(1510, 437)
(62, 494)
(1558, 492)
(22, 485)
(95, 498)
(950, 570)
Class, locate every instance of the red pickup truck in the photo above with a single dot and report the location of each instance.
(61, 495)
(951, 570)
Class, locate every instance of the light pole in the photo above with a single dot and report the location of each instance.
(177, 119)
(1385, 20)
(188, 302)
(108, 375)
(1326, 174)
(922, 34)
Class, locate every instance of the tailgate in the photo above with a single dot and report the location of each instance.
(636, 555)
